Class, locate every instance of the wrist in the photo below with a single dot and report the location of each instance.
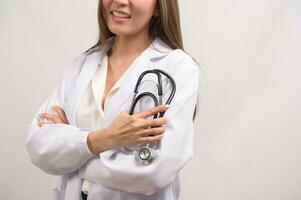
(96, 141)
(90, 142)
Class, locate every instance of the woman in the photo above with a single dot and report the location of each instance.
(81, 129)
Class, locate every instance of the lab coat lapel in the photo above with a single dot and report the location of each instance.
(125, 90)
(88, 70)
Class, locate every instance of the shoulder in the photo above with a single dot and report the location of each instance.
(177, 61)
(182, 58)
(76, 65)
(162, 54)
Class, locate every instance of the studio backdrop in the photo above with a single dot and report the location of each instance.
(247, 133)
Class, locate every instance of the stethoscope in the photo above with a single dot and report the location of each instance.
(145, 154)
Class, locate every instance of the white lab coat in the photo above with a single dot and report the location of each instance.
(61, 149)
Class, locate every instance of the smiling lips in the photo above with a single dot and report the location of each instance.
(120, 14)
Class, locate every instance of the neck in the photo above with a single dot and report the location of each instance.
(129, 46)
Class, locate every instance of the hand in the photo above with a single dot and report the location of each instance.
(127, 130)
(60, 118)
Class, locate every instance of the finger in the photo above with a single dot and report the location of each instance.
(61, 113)
(151, 111)
(42, 123)
(154, 122)
(156, 138)
(151, 132)
(51, 117)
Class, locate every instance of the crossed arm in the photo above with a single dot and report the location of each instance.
(120, 171)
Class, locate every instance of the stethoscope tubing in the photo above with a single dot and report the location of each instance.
(143, 152)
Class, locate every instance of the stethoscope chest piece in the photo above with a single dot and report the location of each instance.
(145, 155)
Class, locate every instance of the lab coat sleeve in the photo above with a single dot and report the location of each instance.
(123, 173)
(57, 148)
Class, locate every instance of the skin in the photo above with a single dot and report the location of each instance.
(131, 40)
(131, 36)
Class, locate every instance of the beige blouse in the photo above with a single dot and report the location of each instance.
(90, 113)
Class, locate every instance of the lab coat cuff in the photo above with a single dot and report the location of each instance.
(83, 145)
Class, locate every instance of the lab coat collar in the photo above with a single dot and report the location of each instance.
(156, 51)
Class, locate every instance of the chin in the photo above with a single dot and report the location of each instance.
(122, 33)
(124, 30)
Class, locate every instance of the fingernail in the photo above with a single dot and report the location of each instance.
(167, 106)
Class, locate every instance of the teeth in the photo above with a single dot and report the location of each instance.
(118, 14)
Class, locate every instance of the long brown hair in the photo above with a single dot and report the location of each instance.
(166, 26)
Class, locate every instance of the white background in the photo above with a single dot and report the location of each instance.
(248, 134)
